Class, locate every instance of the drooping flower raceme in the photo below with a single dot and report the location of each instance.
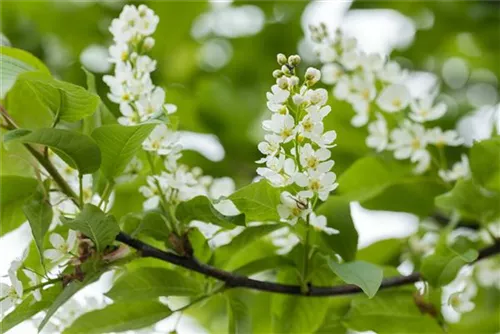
(131, 85)
(296, 146)
(376, 91)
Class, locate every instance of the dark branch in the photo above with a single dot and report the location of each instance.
(237, 281)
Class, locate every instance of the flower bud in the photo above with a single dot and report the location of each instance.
(294, 60)
(312, 76)
(148, 44)
(293, 81)
(281, 58)
(298, 99)
(282, 82)
(285, 69)
(277, 74)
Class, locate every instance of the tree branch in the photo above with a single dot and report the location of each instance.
(237, 281)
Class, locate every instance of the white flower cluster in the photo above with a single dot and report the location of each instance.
(457, 296)
(131, 85)
(375, 89)
(296, 146)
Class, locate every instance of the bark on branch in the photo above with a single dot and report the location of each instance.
(237, 281)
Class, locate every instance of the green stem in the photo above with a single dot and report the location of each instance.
(108, 189)
(58, 179)
(442, 158)
(305, 268)
(80, 183)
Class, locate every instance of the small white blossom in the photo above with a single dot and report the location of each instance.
(457, 296)
(317, 182)
(312, 76)
(292, 208)
(284, 239)
(319, 224)
(62, 248)
(488, 273)
(438, 137)
(282, 125)
(378, 134)
(460, 170)
(331, 73)
(394, 98)
(410, 141)
(423, 111)
(34, 280)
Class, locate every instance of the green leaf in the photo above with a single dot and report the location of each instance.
(296, 314)
(363, 274)
(151, 283)
(118, 145)
(201, 208)
(95, 224)
(68, 292)
(485, 163)
(14, 62)
(38, 211)
(389, 312)
(65, 101)
(471, 202)
(119, 317)
(238, 314)
(338, 213)
(29, 307)
(102, 116)
(14, 191)
(237, 252)
(201, 248)
(442, 267)
(77, 150)
(386, 184)
(263, 264)
(154, 225)
(258, 201)
(384, 252)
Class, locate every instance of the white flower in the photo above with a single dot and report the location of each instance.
(392, 73)
(151, 106)
(270, 147)
(425, 245)
(319, 224)
(131, 171)
(378, 134)
(422, 110)
(279, 171)
(284, 239)
(130, 116)
(161, 140)
(282, 125)
(394, 98)
(459, 170)
(151, 192)
(10, 295)
(318, 182)
(292, 208)
(439, 137)
(410, 141)
(326, 53)
(350, 59)
(34, 280)
(118, 53)
(487, 273)
(331, 73)
(276, 98)
(457, 296)
(311, 159)
(147, 22)
(221, 187)
(62, 248)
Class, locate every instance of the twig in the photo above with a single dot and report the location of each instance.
(233, 280)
